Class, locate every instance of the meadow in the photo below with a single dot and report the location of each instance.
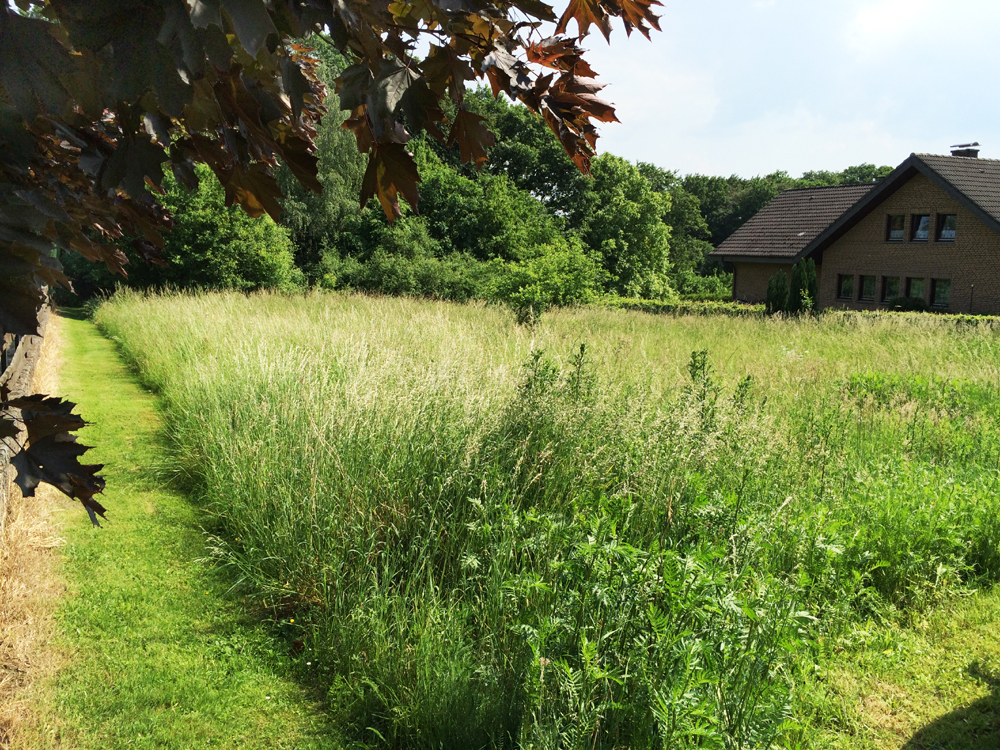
(609, 529)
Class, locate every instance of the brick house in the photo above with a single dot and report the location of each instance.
(930, 230)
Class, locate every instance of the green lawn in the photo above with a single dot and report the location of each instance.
(934, 685)
(159, 656)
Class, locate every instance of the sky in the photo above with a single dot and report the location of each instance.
(749, 87)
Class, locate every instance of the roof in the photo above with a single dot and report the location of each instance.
(973, 182)
(977, 179)
(788, 224)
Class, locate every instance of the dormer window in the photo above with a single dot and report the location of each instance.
(920, 227)
(947, 227)
(894, 230)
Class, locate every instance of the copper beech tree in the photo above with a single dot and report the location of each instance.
(99, 97)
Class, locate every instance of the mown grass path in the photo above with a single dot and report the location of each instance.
(156, 654)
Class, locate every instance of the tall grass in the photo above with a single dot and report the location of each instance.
(610, 530)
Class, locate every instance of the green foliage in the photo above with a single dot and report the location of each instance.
(529, 154)
(777, 293)
(862, 174)
(627, 227)
(557, 276)
(686, 307)
(212, 246)
(717, 287)
(803, 288)
(796, 295)
(454, 277)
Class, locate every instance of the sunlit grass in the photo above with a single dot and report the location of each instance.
(155, 653)
(493, 535)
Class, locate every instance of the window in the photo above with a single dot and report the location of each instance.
(868, 288)
(894, 230)
(940, 292)
(890, 288)
(915, 288)
(845, 287)
(946, 226)
(920, 227)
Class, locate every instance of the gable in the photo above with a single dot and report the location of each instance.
(918, 195)
(967, 180)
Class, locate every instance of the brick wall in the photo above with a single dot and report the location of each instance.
(750, 280)
(971, 262)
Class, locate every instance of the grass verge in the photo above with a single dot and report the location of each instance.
(157, 654)
(934, 685)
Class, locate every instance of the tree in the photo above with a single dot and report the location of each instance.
(802, 288)
(211, 246)
(689, 231)
(628, 230)
(97, 96)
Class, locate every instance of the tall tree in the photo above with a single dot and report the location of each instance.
(97, 96)
(627, 228)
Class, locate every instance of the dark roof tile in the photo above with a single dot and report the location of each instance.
(977, 179)
(786, 225)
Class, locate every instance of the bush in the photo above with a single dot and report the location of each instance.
(558, 275)
(212, 246)
(803, 288)
(692, 307)
(717, 288)
(907, 304)
(455, 277)
(777, 293)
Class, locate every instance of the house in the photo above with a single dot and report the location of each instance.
(930, 230)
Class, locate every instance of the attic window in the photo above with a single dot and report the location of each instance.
(947, 225)
(920, 227)
(894, 232)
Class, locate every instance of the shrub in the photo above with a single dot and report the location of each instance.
(803, 288)
(212, 246)
(456, 277)
(716, 288)
(559, 274)
(777, 293)
(907, 304)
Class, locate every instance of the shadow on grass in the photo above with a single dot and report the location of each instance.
(73, 313)
(973, 727)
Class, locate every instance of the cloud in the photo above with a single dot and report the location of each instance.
(888, 22)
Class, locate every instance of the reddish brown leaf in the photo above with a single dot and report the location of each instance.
(391, 171)
(585, 13)
(637, 14)
(472, 137)
(444, 69)
(255, 189)
(358, 124)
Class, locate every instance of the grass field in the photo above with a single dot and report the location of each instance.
(610, 530)
(154, 653)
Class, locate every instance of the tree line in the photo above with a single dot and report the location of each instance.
(527, 227)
